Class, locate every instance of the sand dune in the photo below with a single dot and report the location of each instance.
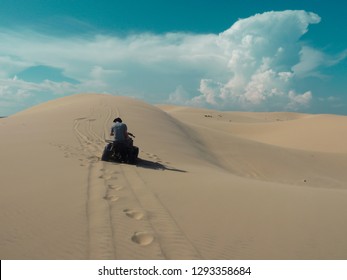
(208, 185)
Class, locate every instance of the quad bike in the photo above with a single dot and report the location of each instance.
(121, 151)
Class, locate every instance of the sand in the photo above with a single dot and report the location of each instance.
(208, 184)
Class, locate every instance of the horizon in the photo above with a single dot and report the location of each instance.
(168, 104)
(226, 56)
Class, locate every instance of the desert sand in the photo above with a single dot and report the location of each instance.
(208, 184)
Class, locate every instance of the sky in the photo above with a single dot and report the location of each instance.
(244, 55)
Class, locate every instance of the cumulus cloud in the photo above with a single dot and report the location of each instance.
(299, 99)
(263, 58)
(253, 65)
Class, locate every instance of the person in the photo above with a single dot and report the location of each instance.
(119, 131)
(122, 147)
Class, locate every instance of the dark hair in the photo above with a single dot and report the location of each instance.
(117, 120)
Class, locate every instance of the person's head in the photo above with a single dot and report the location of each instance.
(117, 120)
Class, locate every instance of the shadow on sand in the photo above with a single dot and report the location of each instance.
(156, 165)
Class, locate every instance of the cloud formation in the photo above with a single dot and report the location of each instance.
(263, 58)
(254, 65)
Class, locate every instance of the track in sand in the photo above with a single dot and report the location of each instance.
(126, 220)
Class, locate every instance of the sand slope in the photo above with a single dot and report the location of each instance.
(209, 185)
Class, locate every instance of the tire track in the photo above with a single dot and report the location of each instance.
(100, 234)
(126, 220)
(107, 122)
(173, 241)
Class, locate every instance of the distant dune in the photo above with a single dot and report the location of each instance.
(208, 184)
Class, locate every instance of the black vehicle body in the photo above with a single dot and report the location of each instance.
(122, 152)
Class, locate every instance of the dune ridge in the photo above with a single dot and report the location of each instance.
(208, 185)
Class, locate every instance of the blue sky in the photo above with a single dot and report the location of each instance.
(269, 55)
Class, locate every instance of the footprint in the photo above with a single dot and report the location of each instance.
(115, 187)
(108, 171)
(142, 238)
(111, 197)
(106, 177)
(93, 159)
(134, 214)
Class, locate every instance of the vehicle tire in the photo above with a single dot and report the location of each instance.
(106, 153)
(136, 151)
(133, 153)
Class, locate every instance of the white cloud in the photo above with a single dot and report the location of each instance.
(298, 100)
(19, 94)
(253, 65)
(261, 52)
(179, 96)
(311, 60)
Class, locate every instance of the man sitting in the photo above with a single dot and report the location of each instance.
(122, 141)
(119, 130)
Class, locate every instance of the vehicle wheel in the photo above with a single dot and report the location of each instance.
(106, 154)
(133, 155)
